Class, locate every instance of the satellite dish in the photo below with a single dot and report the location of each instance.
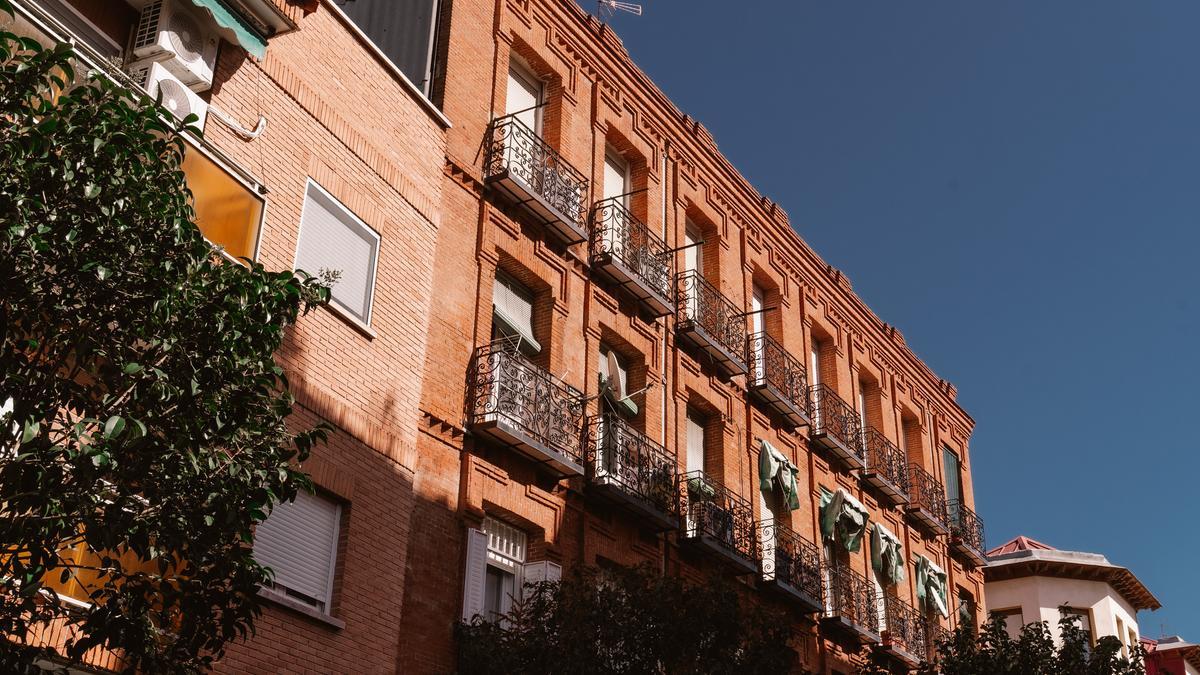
(615, 383)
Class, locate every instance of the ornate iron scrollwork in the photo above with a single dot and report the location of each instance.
(926, 492)
(906, 627)
(885, 458)
(514, 148)
(626, 458)
(790, 559)
(712, 510)
(853, 598)
(772, 365)
(700, 305)
(504, 385)
(619, 235)
(836, 418)
(966, 525)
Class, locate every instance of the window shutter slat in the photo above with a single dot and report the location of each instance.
(298, 542)
(695, 445)
(514, 303)
(474, 579)
(332, 238)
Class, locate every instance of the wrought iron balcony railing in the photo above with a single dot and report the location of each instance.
(966, 532)
(887, 466)
(927, 500)
(778, 378)
(851, 603)
(627, 467)
(717, 519)
(626, 252)
(520, 404)
(708, 320)
(905, 632)
(524, 166)
(836, 426)
(938, 636)
(791, 563)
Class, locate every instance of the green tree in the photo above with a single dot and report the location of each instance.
(994, 652)
(147, 421)
(628, 621)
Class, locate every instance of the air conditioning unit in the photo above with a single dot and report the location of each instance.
(180, 100)
(171, 32)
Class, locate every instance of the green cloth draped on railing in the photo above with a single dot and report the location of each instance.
(843, 519)
(887, 554)
(931, 586)
(775, 469)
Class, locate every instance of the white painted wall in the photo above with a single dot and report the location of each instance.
(1040, 597)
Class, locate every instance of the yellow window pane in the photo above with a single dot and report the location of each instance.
(227, 212)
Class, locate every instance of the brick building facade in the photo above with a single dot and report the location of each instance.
(586, 340)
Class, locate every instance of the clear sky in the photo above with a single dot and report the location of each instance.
(1013, 184)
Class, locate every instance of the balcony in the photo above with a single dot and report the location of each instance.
(521, 405)
(836, 426)
(778, 379)
(533, 175)
(851, 606)
(887, 467)
(626, 253)
(717, 521)
(966, 533)
(790, 564)
(628, 469)
(905, 633)
(927, 501)
(709, 322)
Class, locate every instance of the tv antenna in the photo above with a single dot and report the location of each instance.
(610, 7)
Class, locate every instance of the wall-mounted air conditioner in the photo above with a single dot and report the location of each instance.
(171, 32)
(181, 101)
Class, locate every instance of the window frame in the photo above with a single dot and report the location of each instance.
(334, 303)
(281, 592)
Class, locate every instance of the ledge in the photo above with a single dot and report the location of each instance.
(300, 608)
(351, 320)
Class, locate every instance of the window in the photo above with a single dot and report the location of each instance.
(1085, 621)
(1120, 636)
(1013, 620)
(953, 473)
(966, 609)
(616, 176)
(228, 212)
(695, 440)
(1133, 641)
(298, 541)
(505, 555)
(333, 238)
(758, 358)
(512, 312)
(496, 570)
(524, 97)
(693, 255)
(405, 31)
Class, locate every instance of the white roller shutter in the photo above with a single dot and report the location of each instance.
(512, 305)
(474, 578)
(523, 95)
(333, 238)
(298, 541)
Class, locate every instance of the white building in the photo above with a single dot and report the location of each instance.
(1028, 581)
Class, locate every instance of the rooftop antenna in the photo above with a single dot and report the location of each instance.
(610, 7)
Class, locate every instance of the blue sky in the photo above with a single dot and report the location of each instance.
(1014, 184)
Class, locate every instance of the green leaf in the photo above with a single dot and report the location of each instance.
(131, 368)
(114, 426)
(91, 190)
(30, 431)
(102, 272)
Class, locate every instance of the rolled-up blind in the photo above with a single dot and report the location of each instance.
(333, 238)
(298, 541)
(513, 305)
